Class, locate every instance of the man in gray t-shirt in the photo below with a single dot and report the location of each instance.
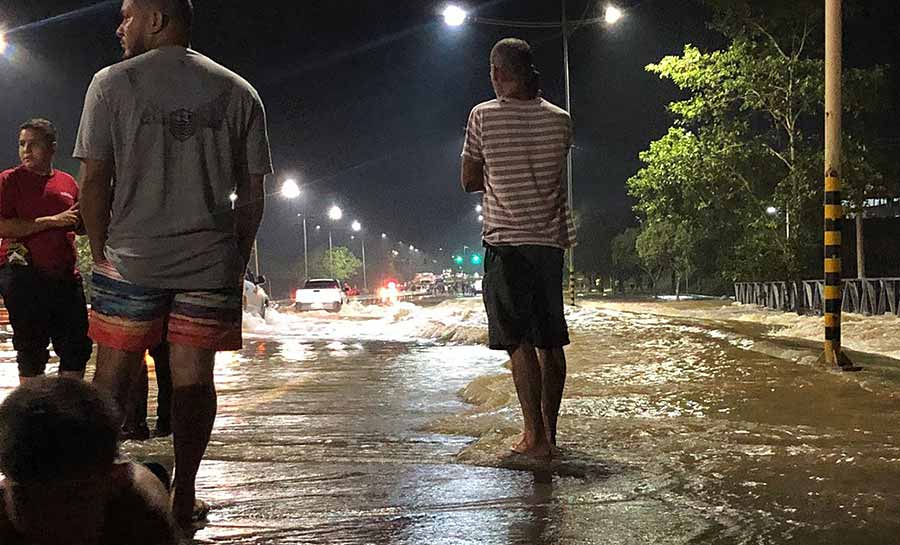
(175, 153)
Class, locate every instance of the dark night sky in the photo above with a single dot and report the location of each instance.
(367, 99)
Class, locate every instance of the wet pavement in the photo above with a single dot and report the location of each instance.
(391, 426)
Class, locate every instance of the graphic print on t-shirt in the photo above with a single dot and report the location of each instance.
(183, 123)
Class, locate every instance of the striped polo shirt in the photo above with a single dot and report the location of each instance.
(523, 145)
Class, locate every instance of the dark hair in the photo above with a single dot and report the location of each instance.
(179, 10)
(515, 56)
(42, 126)
(56, 428)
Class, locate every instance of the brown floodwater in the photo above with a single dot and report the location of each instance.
(392, 426)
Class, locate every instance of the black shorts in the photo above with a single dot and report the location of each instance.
(44, 309)
(523, 297)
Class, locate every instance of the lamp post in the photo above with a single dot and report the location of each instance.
(454, 16)
(334, 214)
(290, 190)
(362, 237)
(772, 211)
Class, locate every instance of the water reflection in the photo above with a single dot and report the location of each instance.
(674, 430)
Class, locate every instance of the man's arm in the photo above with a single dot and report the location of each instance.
(472, 175)
(251, 205)
(96, 201)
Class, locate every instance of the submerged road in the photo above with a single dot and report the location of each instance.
(391, 427)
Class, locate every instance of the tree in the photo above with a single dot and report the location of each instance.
(626, 264)
(655, 247)
(344, 264)
(747, 137)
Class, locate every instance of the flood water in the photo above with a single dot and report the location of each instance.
(692, 422)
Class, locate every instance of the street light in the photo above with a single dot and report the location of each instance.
(383, 235)
(479, 208)
(334, 214)
(772, 211)
(356, 226)
(3, 43)
(290, 190)
(612, 15)
(454, 15)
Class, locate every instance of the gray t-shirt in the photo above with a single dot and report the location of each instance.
(181, 130)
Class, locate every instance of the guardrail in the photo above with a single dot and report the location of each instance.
(867, 296)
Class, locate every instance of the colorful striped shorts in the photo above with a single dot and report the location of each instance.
(128, 317)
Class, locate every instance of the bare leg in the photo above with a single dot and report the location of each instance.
(553, 380)
(193, 414)
(116, 373)
(527, 376)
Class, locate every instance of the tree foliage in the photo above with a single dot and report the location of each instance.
(338, 263)
(746, 136)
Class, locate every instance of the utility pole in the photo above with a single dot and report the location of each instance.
(834, 212)
(569, 159)
(362, 238)
(305, 253)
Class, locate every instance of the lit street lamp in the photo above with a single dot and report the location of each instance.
(290, 190)
(772, 211)
(612, 15)
(334, 214)
(358, 228)
(455, 16)
(3, 43)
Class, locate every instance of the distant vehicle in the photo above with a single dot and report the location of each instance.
(389, 294)
(320, 294)
(477, 286)
(255, 299)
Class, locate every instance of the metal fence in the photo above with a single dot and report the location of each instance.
(867, 296)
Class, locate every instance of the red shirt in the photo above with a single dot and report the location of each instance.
(26, 195)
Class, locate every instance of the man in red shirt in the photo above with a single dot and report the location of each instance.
(40, 285)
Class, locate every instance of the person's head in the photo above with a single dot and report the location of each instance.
(512, 70)
(37, 145)
(58, 445)
(149, 24)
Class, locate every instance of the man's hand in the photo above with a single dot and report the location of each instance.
(66, 219)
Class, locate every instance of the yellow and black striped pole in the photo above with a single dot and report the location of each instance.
(834, 212)
(833, 296)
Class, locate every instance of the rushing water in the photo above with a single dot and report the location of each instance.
(692, 422)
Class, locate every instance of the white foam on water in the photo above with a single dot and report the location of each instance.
(871, 334)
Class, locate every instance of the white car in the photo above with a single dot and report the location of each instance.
(255, 299)
(320, 294)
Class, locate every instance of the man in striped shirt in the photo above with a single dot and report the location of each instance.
(515, 152)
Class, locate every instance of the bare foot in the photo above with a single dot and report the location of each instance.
(532, 449)
(187, 510)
